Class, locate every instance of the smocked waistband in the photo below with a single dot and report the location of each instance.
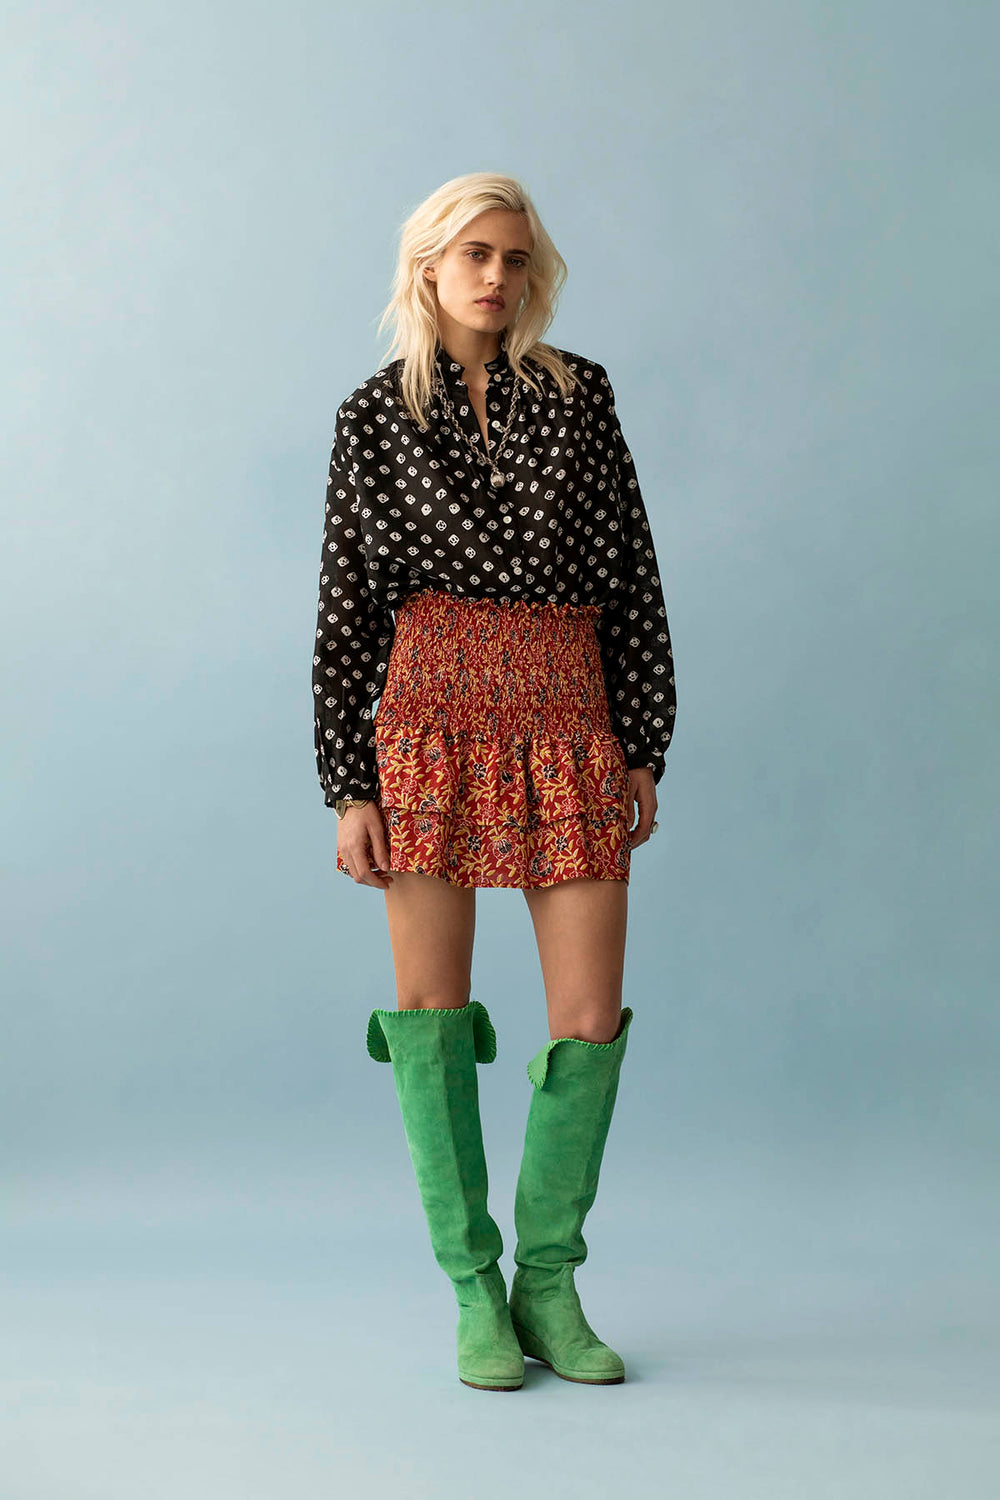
(436, 598)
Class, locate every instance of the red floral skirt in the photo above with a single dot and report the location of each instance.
(497, 762)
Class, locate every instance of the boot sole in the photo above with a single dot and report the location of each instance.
(528, 1347)
(477, 1385)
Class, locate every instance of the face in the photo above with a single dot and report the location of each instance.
(488, 258)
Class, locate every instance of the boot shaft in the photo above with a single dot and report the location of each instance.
(575, 1085)
(433, 1054)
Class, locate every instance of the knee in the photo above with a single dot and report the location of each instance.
(590, 1026)
(442, 999)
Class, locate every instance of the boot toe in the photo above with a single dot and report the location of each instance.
(488, 1351)
(493, 1375)
(555, 1331)
(597, 1363)
(494, 1369)
(574, 1359)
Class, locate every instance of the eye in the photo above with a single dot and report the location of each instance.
(515, 260)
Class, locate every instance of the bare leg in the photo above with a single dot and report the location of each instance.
(431, 928)
(580, 927)
(580, 930)
(434, 1055)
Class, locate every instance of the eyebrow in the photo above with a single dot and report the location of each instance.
(484, 245)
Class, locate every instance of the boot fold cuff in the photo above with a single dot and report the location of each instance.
(484, 1037)
(378, 1046)
(538, 1068)
(483, 1033)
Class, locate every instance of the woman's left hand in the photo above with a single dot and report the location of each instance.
(641, 789)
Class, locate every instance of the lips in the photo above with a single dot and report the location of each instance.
(490, 301)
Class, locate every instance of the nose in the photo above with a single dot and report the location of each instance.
(496, 275)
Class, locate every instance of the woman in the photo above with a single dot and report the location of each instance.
(488, 575)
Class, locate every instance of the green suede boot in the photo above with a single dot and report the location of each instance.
(575, 1084)
(434, 1055)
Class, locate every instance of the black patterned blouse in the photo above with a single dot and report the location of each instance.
(408, 510)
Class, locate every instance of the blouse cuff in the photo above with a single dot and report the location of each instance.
(359, 793)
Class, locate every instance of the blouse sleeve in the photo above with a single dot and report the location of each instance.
(354, 636)
(632, 629)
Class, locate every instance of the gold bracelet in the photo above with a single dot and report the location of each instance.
(343, 803)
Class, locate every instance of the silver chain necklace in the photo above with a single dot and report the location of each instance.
(497, 477)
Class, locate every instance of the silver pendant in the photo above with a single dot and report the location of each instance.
(496, 479)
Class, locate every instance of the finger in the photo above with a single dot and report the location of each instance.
(380, 846)
(377, 879)
(647, 812)
(354, 859)
(374, 836)
(359, 863)
(366, 859)
(630, 809)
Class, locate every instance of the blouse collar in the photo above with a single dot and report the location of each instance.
(499, 365)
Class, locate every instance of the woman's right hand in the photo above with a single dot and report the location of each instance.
(362, 842)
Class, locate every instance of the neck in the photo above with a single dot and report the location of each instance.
(468, 346)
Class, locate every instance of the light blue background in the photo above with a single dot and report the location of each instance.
(781, 227)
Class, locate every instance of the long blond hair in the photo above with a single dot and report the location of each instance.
(412, 307)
